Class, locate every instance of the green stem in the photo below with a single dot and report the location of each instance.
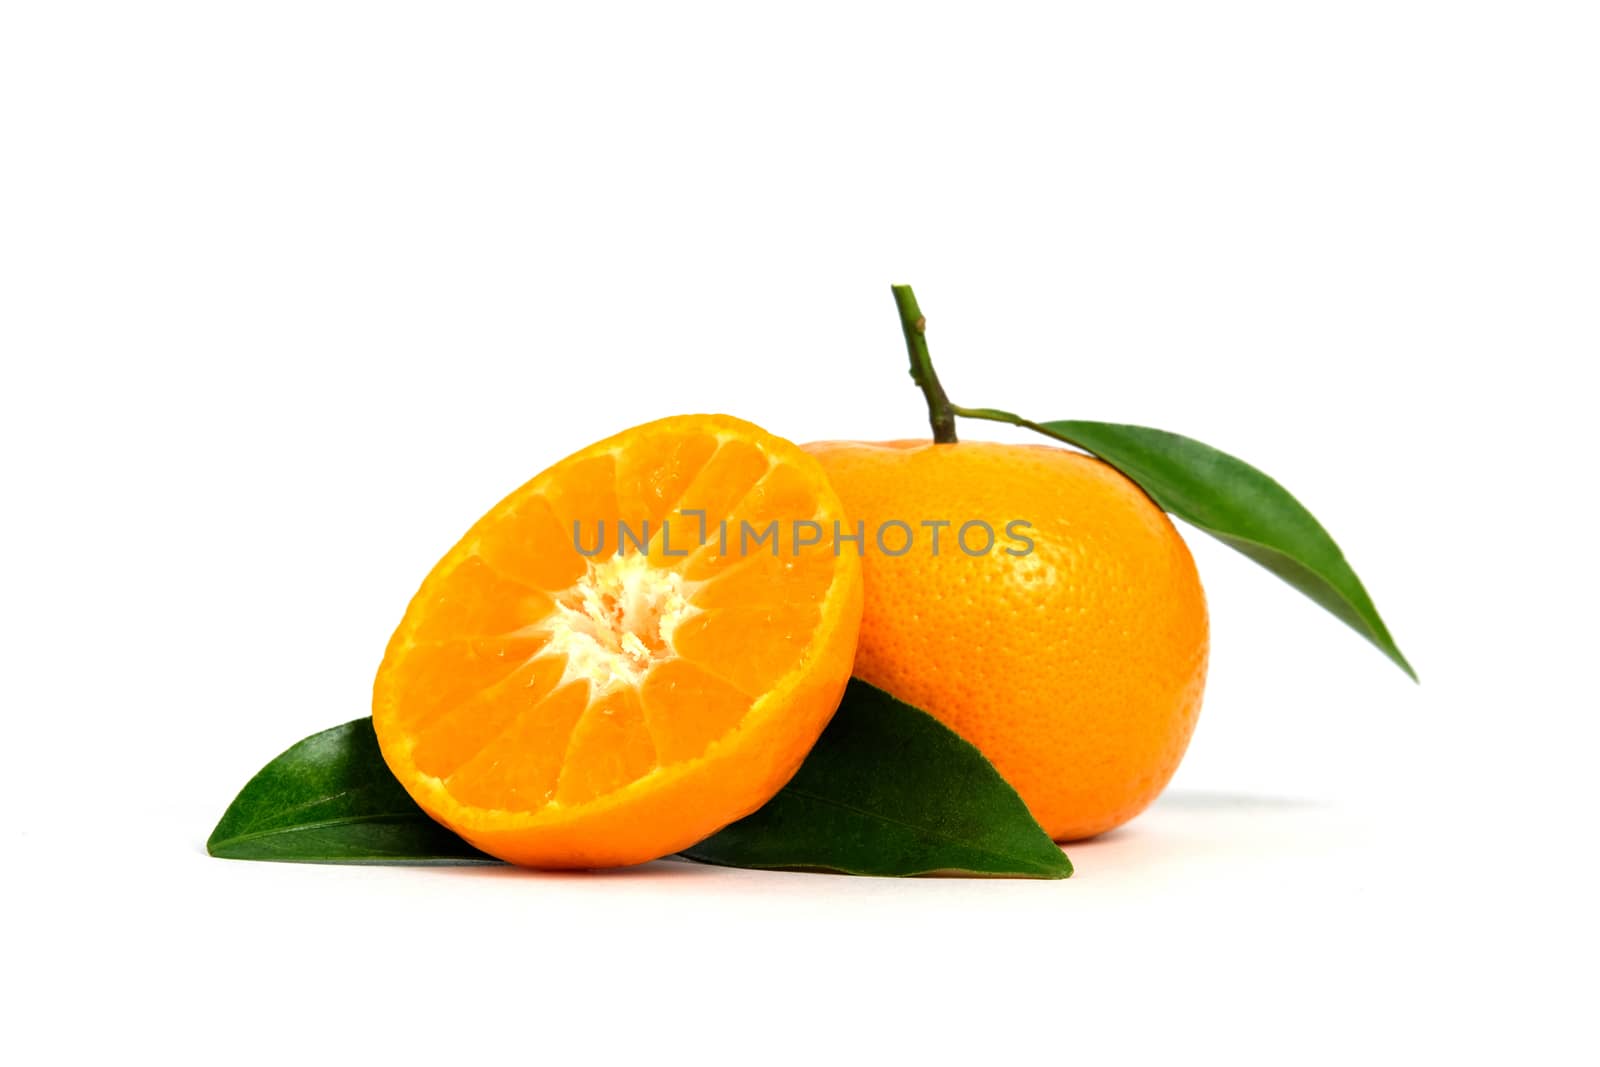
(996, 415)
(941, 413)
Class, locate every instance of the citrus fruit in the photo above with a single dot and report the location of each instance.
(1074, 661)
(603, 671)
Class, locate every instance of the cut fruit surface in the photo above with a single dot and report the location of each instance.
(634, 649)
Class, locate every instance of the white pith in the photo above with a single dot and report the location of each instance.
(617, 621)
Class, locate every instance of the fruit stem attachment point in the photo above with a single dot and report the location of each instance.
(941, 414)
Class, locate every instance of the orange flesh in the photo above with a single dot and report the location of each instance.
(556, 708)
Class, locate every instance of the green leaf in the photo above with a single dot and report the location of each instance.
(889, 790)
(331, 799)
(1241, 507)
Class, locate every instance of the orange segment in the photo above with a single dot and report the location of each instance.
(769, 581)
(585, 501)
(724, 481)
(763, 522)
(748, 647)
(650, 483)
(531, 547)
(519, 768)
(611, 747)
(565, 697)
(687, 709)
(445, 674)
(450, 740)
(471, 600)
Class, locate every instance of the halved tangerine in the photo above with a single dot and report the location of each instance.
(631, 651)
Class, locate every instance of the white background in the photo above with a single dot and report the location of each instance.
(291, 292)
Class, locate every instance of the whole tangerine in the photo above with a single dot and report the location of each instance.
(1072, 651)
